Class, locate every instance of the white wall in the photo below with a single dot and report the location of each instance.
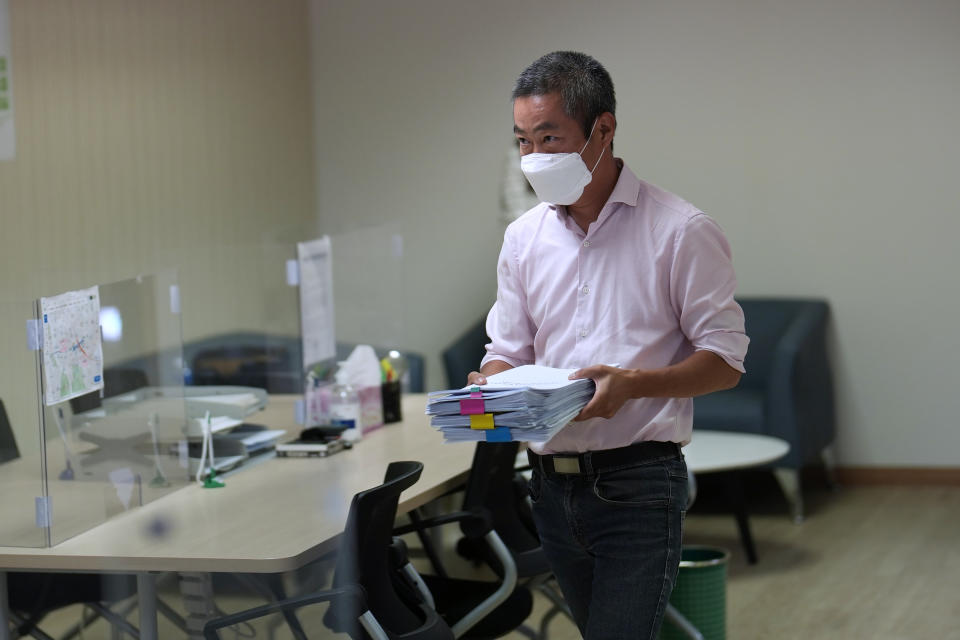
(154, 136)
(822, 135)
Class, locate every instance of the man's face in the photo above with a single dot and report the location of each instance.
(541, 126)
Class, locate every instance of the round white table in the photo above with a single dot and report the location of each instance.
(712, 451)
(730, 453)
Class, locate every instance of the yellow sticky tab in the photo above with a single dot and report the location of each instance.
(481, 421)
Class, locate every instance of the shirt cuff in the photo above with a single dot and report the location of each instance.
(513, 362)
(729, 345)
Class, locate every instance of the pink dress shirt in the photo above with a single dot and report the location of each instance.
(650, 283)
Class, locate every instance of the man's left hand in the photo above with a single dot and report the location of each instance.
(702, 372)
(614, 387)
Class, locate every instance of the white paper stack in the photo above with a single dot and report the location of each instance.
(529, 403)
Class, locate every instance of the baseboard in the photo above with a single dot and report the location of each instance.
(935, 476)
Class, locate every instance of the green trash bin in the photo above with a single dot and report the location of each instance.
(700, 594)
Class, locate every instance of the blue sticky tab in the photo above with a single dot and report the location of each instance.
(499, 434)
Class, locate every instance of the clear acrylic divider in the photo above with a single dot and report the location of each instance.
(113, 449)
(259, 341)
(22, 493)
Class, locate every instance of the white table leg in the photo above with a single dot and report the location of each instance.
(147, 599)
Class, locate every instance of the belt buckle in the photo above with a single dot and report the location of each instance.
(566, 464)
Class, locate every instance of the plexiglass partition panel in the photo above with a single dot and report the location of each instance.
(122, 445)
(21, 462)
(250, 337)
(257, 340)
(368, 286)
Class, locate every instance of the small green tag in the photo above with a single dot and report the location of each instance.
(212, 482)
(3, 63)
(4, 103)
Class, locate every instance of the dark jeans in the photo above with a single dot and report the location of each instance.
(613, 541)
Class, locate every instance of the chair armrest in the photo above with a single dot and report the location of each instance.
(476, 523)
(495, 599)
(804, 329)
(352, 594)
(803, 339)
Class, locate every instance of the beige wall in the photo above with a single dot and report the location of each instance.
(155, 135)
(822, 135)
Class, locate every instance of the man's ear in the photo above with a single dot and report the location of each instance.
(607, 126)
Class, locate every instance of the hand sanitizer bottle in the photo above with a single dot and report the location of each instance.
(345, 407)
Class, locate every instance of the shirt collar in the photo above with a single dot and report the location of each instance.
(627, 190)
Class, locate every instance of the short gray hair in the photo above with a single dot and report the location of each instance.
(585, 87)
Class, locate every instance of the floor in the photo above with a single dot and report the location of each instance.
(868, 562)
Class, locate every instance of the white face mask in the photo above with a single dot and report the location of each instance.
(559, 178)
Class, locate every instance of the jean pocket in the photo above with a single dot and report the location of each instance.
(645, 485)
(677, 467)
(535, 486)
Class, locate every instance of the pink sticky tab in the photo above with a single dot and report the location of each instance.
(471, 406)
(476, 394)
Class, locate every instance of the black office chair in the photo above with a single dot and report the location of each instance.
(496, 485)
(33, 595)
(266, 367)
(465, 353)
(116, 381)
(377, 594)
(8, 444)
(363, 601)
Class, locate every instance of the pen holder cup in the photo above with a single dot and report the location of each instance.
(390, 392)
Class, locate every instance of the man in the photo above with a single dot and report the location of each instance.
(633, 287)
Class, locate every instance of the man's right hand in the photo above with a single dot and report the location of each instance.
(475, 377)
(492, 367)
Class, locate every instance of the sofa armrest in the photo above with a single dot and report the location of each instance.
(800, 388)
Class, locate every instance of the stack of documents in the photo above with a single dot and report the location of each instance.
(529, 403)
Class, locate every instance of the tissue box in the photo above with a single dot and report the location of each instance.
(371, 408)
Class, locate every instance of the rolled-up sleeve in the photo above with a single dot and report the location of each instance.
(702, 286)
(509, 326)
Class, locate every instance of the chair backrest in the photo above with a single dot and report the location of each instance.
(364, 559)
(464, 355)
(116, 381)
(495, 486)
(8, 444)
(261, 366)
(492, 485)
(767, 321)
(274, 362)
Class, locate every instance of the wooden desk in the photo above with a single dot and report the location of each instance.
(275, 517)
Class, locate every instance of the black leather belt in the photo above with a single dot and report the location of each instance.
(604, 459)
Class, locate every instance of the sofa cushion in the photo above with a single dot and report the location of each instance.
(732, 410)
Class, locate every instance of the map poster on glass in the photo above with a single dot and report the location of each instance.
(72, 353)
(7, 137)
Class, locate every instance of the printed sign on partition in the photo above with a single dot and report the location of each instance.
(72, 351)
(316, 301)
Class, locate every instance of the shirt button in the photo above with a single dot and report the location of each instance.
(585, 289)
(583, 333)
(586, 243)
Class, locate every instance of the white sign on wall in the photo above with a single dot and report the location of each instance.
(7, 138)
